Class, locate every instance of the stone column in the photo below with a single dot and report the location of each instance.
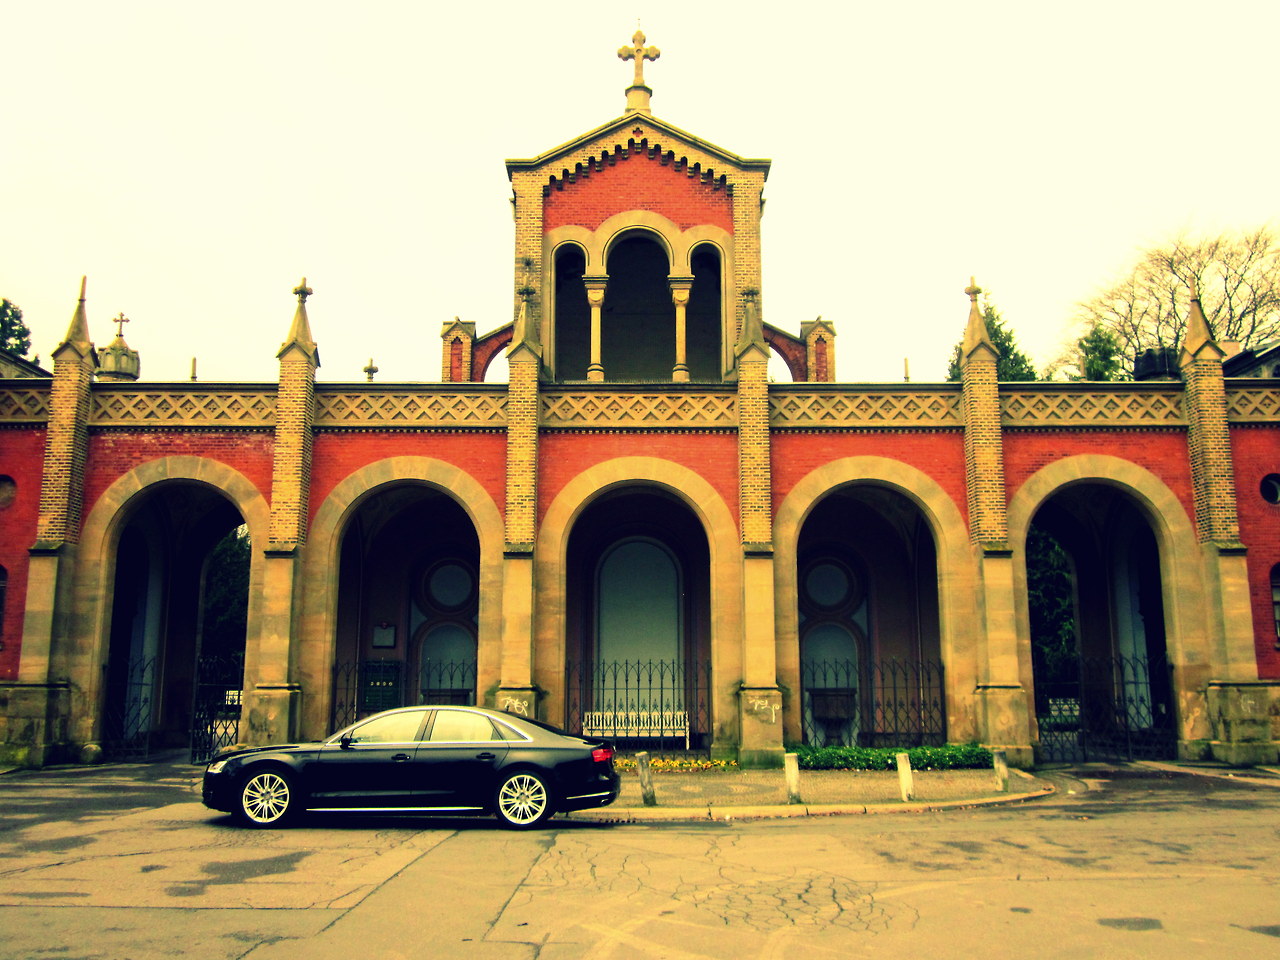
(39, 712)
(271, 710)
(760, 703)
(516, 690)
(1003, 713)
(595, 299)
(680, 290)
(1237, 702)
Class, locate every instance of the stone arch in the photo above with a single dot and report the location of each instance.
(723, 541)
(313, 651)
(85, 651)
(1188, 640)
(620, 225)
(960, 636)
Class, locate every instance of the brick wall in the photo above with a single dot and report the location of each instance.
(1257, 454)
(22, 458)
(637, 182)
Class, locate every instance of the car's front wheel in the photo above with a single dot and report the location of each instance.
(267, 799)
(523, 800)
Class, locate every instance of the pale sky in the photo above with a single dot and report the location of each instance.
(196, 160)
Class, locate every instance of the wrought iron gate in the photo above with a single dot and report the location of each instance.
(1104, 708)
(881, 703)
(656, 705)
(127, 719)
(215, 714)
(362, 687)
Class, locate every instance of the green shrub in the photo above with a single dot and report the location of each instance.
(952, 756)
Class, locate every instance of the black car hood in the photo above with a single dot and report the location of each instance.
(273, 748)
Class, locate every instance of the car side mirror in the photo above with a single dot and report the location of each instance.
(346, 741)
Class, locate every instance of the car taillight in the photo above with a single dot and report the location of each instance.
(601, 754)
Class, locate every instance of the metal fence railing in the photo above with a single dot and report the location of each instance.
(877, 703)
(656, 705)
(363, 687)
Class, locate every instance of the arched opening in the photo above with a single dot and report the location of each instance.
(1275, 599)
(637, 328)
(705, 315)
(175, 656)
(1103, 686)
(572, 314)
(638, 622)
(867, 597)
(408, 604)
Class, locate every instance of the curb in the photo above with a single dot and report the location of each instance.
(1212, 774)
(720, 814)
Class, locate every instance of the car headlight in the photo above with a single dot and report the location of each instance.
(215, 767)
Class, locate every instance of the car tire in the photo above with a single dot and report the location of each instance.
(266, 798)
(523, 800)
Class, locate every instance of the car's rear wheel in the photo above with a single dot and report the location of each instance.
(523, 800)
(267, 799)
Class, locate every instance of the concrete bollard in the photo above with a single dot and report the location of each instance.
(791, 763)
(646, 779)
(906, 785)
(1001, 767)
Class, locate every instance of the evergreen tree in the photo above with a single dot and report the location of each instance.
(14, 335)
(1012, 365)
(1098, 356)
(226, 595)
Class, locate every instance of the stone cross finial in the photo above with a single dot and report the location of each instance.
(639, 53)
(1195, 289)
(370, 370)
(973, 290)
(302, 291)
(120, 321)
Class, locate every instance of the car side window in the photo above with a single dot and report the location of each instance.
(393, 728)
(460, 726)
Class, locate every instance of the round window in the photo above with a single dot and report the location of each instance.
(828, 585)
(450, 585)
(1271, 488)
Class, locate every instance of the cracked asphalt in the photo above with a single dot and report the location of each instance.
(124, 862)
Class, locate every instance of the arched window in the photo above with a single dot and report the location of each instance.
(705, 315)
(572, 315)
(638, 327)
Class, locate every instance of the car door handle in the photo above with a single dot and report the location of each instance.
(400, 757)
(486, 756)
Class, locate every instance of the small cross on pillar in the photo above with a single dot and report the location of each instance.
(120, 321)
(370, 370)
(302, 291)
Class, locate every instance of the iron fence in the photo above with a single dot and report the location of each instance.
(364, 687)
(128, 717)
(1104, 708)
(663, 706)
(215, 713)
(877, 703)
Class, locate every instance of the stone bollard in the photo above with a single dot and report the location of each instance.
(1001, 767)
(906, 785)
(792, 765)
(646, 779)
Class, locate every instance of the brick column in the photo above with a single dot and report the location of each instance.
(516, 690)
(39, 706)
(1004, 720)
(760, 704)
(271, 713)
(1237, 702)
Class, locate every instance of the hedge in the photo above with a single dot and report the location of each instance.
(952, 756)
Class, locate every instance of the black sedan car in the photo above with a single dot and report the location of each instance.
(454, 760)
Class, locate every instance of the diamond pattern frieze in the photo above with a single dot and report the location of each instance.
(425, 409)
(186, 408)
(865, 409)
(24, 405)
(1027, 408)
(1253, 405)
(623, 410)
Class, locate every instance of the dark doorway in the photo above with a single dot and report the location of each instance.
(1103, 687)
